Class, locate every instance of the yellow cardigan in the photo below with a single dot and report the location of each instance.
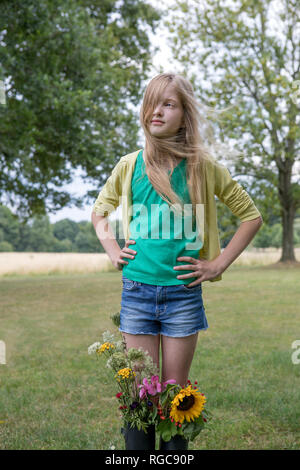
(117, 190)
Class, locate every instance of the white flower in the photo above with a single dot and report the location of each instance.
(93, 348)
(108, 337)
(119, 346)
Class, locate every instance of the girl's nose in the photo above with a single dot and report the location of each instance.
(157, 109)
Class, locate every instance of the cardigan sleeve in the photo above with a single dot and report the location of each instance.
(109, 197)
(231, 193)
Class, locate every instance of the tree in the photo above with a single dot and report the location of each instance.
(227, 224)
(9, 227)
(65, 229)
(241, 53)
(40, 237)
(269, 236)
(73, 71)
(86, 240)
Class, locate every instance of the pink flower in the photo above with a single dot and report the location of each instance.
(156, 384)
(143, 391)
(171, 381)
(151, 388)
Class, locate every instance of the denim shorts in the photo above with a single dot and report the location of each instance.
(147, 309)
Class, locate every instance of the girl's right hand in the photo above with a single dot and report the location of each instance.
(125, 252)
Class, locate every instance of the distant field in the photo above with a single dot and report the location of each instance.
(46, 263)
(51, 263)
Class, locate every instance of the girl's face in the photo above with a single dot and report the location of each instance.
(167, 116)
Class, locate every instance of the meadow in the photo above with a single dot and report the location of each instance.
(53, 395)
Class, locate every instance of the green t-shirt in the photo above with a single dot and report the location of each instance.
(160, 236)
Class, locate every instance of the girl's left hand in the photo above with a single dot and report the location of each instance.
(202, 269)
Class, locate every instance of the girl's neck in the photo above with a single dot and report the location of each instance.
(165, 165)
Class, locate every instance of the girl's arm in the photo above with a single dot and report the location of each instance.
(231, 193)
(110, 244)
(205, 270)
(109, 197)
(106, 237)
(107, 201)
(241, 239)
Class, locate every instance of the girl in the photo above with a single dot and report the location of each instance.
(163, 266)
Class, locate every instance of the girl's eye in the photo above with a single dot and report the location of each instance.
(169, 104)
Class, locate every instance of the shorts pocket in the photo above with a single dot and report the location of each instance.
(128, 284)
(198, 287)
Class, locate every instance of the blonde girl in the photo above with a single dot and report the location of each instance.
(164, 188)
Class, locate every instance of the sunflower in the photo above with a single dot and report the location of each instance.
(187, 404)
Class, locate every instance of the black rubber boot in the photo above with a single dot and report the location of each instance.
(136, 439)
(175, 443)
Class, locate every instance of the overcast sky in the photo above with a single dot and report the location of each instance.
(162, 58)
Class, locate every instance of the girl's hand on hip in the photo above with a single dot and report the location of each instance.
(202, 269)
(125, 252)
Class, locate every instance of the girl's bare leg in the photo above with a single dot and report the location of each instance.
(149, 343)
(177, 356)
(177, 353)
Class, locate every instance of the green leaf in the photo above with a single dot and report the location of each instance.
(166, 429)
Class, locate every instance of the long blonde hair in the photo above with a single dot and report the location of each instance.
(187, 143)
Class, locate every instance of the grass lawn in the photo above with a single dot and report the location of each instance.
(54, 396)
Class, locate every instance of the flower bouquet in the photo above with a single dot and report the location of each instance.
(131, 368)
(147, 404)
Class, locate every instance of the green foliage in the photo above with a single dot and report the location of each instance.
(66, 236)
(39, 235)
(268, 236)
(297, 231)
(115, 318)
(167, 430)
(86, 240)
(65, 229)
(9, 226)
(227, 223)
(73, 72)
(6, 246)
(255, 81)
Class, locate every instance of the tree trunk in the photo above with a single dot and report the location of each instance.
(287, 210)
(288, 253)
